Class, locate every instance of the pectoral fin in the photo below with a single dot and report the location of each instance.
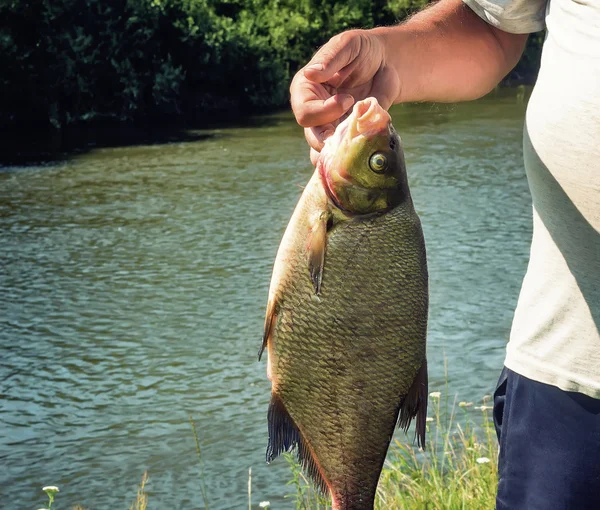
(415, 404)
(317, 245)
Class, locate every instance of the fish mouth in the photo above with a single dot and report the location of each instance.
(368, 118)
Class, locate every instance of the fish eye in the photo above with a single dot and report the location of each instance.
(378, 162)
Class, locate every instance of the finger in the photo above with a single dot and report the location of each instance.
(316, 136)
(314, 156)
(311, 111)
(342, 75)
(333, 56)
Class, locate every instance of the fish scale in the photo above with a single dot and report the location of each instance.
(344, 361)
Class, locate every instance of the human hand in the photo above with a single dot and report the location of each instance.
(350, 67)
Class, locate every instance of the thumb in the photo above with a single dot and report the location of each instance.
(331, 58)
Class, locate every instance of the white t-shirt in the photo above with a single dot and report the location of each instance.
(555, 335)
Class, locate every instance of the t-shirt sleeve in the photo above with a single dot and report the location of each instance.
(514, 16)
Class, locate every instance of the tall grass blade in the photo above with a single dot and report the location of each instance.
(202, 481)
(249, 488)
(141, 500)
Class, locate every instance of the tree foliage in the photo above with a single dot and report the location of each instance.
(69, 61)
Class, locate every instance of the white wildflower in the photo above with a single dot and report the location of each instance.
(484, 408)
(50, 488)
(435, 394)
(482, 460)
(465, 404)
(429, 418)
(264, 504)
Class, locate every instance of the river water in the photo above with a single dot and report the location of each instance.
(133, 283)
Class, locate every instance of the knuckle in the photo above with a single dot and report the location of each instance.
(295, 84)
(345, 43)
(302, 117)
(349, 37)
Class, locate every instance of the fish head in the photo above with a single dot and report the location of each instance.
(362, 164)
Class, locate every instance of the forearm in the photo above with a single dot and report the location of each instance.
(447, 53)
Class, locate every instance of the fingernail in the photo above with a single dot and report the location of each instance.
(347, 102)
(315, 67)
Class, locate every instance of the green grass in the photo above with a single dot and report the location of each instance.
(458, 470)
(139, 503)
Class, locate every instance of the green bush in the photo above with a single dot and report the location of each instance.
(71, 61)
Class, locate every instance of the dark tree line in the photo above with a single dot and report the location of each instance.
(70, 61)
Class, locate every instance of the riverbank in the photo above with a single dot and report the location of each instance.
(26, 145)
(32, 145)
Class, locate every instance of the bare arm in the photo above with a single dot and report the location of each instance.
(445, 53)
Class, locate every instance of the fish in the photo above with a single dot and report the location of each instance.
(346, 317)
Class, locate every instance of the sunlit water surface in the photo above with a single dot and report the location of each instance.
(133, 284)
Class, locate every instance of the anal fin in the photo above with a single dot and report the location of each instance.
(415, 404)
(284, 436)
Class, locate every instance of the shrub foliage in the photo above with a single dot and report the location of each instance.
(68, 61)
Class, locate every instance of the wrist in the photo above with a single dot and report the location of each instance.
(388, 42)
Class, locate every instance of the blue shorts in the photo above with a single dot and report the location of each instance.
(549, 446)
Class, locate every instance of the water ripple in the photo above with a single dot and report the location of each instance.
(133, 285)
